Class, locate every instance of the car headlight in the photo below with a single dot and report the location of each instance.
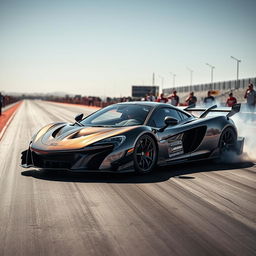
(116, 141)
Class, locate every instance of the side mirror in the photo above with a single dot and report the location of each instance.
(79, 117)
(170, 121)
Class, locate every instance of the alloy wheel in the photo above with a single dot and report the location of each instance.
(145, 154)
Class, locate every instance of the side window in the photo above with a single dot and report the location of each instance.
(183, 115)
(157, 120)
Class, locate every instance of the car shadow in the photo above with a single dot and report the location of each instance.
(160, 174)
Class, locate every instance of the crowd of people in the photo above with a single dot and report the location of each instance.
(89, 100)
(6, 100)
(191, 100)
(173, 99)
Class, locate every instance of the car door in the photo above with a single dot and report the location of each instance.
(171, 139)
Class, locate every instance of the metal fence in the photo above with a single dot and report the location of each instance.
(221, 86)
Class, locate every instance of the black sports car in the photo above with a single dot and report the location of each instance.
(134, 136)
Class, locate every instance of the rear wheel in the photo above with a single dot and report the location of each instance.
(228, 141)
(145, 154)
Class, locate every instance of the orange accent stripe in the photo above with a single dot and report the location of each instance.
(7, 115)
(39, 151)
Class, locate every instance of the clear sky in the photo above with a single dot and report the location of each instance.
(103, 47)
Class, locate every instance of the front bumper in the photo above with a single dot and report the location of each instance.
(102, 160)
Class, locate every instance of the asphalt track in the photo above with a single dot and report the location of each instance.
(194, 209)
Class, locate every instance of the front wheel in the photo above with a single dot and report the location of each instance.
(145, 154)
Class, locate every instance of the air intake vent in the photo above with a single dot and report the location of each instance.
(74, 136)
(55, 133)
(193, 138)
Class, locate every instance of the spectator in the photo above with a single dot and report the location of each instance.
(209, 100)
(250, 96)
(146, 98)
(174, 99)
(150, 97)
(1, 103)
(231, 101)
(90, 101)
(162, 99)
(191, 100)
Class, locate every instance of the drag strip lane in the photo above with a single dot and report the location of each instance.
(193, 209)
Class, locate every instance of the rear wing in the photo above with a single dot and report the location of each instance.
(231, 110)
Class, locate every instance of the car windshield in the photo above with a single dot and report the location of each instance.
(118, 115)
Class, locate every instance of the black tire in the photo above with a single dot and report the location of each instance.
(145, 154)
(228, 141)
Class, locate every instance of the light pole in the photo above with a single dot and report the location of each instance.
(173, 79)
(191, 77)
(237, 70)
(162, 82)
(212, 67)
(237, 66)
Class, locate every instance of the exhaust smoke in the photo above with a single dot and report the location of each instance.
(246, 125)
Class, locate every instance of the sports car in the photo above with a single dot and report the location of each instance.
(134, 136)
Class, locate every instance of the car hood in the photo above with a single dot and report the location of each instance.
(63, 136)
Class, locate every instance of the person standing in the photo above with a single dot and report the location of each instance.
(152, 97)
(174, 99)
(1, 103)
(231, 101)
(209, 100)
(250, 96)
(191, 100)
(148, 97)
(162, 99)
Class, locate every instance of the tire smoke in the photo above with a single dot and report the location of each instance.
(245, 122)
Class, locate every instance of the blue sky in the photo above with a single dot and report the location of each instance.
(104, 47)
